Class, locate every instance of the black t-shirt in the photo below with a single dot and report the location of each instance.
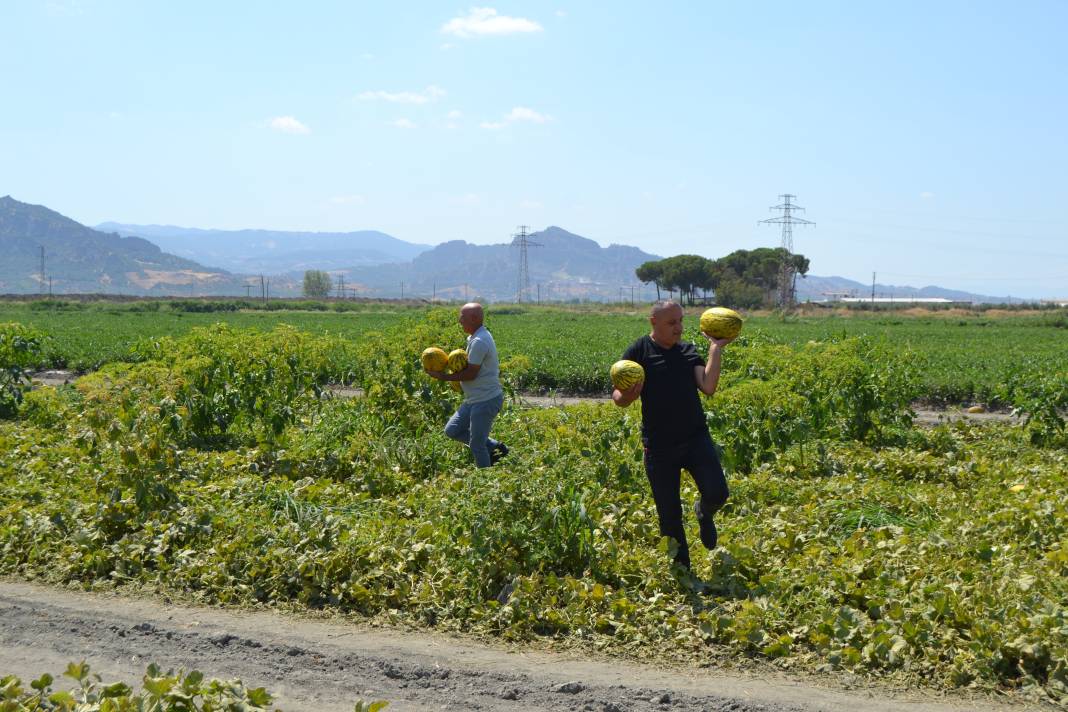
(671, 406)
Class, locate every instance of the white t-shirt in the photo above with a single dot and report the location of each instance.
(482, 350)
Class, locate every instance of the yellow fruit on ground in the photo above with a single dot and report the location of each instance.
(721, 323)
(457, 360)
(434, 359)
(977, 409)
(625, 374)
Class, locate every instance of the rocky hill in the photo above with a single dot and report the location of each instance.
(563, 266)
(80, 259)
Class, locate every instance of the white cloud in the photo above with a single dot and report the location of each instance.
(521, 113)
(431, 93)
(517, 114)
(926, 195)
(348, 200)
(561, 13)
(455, 114)
(481, 21)
(531, 204)
(288, 124)
(403, 124)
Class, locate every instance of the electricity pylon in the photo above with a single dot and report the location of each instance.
(787, 271)
(521, 239)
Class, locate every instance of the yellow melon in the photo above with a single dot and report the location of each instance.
(721, 323)
(434, 359)
(625, 374)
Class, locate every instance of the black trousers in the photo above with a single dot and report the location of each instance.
(663, 467)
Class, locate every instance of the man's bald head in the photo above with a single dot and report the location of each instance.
(666, 319)
(471, 317)
(663, 305)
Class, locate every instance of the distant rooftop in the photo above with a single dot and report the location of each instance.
(895, 300)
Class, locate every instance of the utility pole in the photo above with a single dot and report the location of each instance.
(402, 291)
(248, 290)
(434, 296)
(787, 271)
(873, 288)
(522, 240)
(263, 290)
(539, 294)
(340, 286)
(41, 274)
(267, 294)
(49, 286)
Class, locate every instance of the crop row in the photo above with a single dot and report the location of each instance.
(962, 359)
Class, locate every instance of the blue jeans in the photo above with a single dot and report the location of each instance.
(471, 424)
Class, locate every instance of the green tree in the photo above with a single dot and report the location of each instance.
(758, 268)
(651, 271)
(733, 292)
(688, 273)
(316, 283)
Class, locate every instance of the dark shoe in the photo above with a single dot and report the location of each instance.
(498, 452)
(709, 535)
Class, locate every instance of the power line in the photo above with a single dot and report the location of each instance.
(522, 240)
(787, 270)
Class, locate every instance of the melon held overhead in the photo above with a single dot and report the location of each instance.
(721, 323)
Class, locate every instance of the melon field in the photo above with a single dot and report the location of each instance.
(967, 357)
(205, 461)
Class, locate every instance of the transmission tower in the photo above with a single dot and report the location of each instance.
(787, 271)
(522, 240)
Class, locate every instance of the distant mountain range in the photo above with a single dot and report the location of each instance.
(817, 289)
(127, 259)
(561, 266)
(78, 259)
(274, 251)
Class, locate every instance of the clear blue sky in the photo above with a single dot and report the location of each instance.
(927, 140)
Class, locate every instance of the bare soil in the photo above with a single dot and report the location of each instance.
(328, 664)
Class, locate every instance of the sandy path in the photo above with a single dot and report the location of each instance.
(327, 664)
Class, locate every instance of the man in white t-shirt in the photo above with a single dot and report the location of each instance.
(483, 395)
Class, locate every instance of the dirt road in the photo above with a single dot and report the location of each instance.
(329, 664)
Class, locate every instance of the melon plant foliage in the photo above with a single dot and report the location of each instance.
(217, 468)
(20, 349)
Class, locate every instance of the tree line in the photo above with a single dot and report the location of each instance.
(744, 278)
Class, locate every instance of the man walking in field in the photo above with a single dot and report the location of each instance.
(674, 432)
(483, 395)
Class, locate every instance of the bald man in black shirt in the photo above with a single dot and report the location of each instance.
(674, 432)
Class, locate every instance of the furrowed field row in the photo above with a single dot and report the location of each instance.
(964, 358)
